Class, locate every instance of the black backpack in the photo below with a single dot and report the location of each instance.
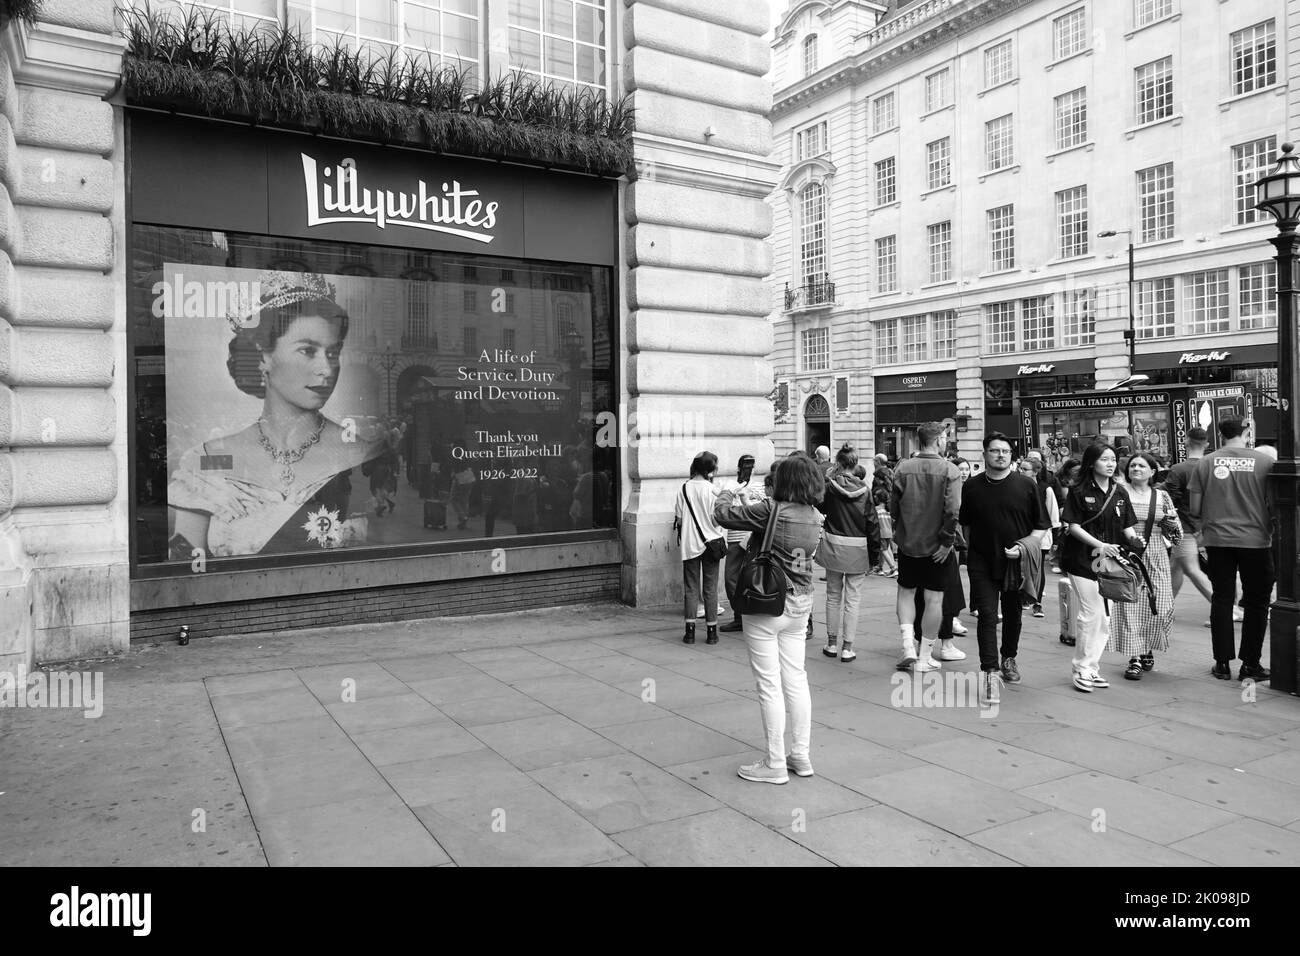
(762, 585)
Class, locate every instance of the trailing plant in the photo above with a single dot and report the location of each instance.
(24, 10)
(193, 59)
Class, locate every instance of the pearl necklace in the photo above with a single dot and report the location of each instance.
(287, 459)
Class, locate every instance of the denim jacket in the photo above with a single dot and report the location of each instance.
(794, 539)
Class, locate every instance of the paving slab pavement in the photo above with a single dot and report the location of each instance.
(592, 736)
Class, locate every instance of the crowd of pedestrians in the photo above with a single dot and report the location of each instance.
(1122, 533)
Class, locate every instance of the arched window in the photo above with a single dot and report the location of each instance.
(812, 233)
(810, 54)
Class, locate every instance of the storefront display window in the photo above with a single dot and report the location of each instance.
(298, 397)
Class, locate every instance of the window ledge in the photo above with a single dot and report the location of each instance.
(1175, 120)
(1013, 168)
(883, 132)
(1072, 259)
(935, 112)
(1155, 243)
(1278, 88)
(998, 272)
(1246, 226)
(883, 295)
(888, 205)
(950, 187)
(997, 86)
(1066, 59)
(1171, 18)
(1089, 145)
(938, 285)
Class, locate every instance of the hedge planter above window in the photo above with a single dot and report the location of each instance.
(193, 62)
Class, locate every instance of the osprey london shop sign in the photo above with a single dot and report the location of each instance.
(339, 193)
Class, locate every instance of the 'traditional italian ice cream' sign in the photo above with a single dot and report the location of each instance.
(453, 209)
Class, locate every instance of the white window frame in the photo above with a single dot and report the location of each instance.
(1250, 161)
(914, 334)
(812, 140)
(999, 63)
(1071, 115)
(944, 334)
(884, 113)
(815, 350)
(1002, 237)
(1257, 295)
(939, 246)
(887, 264)
(1078, 318)
(886, 181)
(1149, 11)
(1037, 323)
(1153, 89)
(1207, 302)
(1156, 209)
(1155, 308)
(810, 54)
(1000, 327)
(999, 142)
(1252, 57)
(1072, 222)
(938, 163)
(1070, 33)
(813, 210)
(548, 36)
(885, 342)
(938, 89)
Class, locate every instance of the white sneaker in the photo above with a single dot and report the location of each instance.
(925, 660)
(802, 766)
(1096, 680)
(959, 629)
(700, 612)
(908, 660)
(1238, 615)
(948, 651)
(761, 773)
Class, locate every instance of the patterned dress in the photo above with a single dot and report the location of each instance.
(1134, 631)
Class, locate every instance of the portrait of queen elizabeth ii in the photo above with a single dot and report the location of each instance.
(282, 482)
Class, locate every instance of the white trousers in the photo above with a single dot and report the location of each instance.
(1094, 626)
(776, 656)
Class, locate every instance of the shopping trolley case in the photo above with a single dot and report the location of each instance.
(1069, 600)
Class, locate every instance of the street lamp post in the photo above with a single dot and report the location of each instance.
(1279, 194)
(1130, 336)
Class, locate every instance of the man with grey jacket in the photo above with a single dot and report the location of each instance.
(924, 505)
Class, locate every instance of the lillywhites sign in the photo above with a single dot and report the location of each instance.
(1194, 358)
(1035, 369)
(336, 194)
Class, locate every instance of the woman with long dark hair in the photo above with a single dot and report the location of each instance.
(1100, 523)
(695, 529)
(849, 547)
(776, 642)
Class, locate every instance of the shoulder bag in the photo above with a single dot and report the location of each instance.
(716, 548)
(762, 584)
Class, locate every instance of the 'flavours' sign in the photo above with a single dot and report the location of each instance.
(335, 194)
(1195, 358)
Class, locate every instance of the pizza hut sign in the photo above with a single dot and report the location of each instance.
(1195, 358)
(1035, 369)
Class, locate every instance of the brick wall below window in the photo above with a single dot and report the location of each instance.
(516, 592)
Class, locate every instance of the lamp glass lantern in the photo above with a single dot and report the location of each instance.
(1278, 193)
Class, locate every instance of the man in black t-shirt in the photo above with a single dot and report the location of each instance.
(998, 509)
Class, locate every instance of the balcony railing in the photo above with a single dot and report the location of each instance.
(810, 295)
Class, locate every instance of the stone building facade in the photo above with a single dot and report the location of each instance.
(946, 167)
(689, 349)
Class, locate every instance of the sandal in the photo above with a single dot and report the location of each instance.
(1148, 662)
(1134, 670)
(848, 654)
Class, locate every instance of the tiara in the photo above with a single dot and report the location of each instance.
(274, 290)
